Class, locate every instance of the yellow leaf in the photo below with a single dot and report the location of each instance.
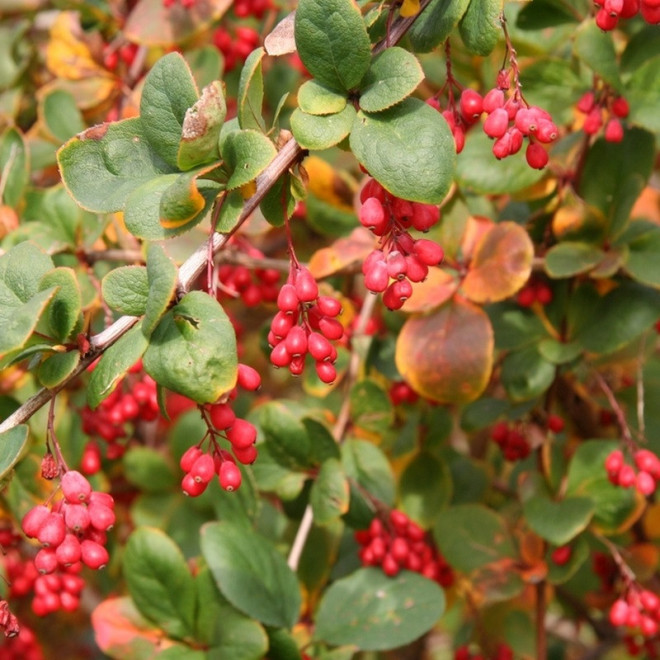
(409, 8)
(328, 185)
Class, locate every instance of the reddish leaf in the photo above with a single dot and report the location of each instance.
(342, 253)
(501, 264)
(447, 356)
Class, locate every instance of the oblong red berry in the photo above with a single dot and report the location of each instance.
(328, 306)
(471, 105)
(45, 561)
(76, 517)
(296, 341)
(191, 487)
(496, 124)
(52, 530)
(536, 155)
(93, 555)
(190, 456)
(33, 520)
(203, 469)
(246, 455)
(318, 346)
(230, 476)
(222, 417)
(331, 328)
(68, 552)
(101, 517)
(306, 287)
(428, 252)
(75, 486)
(242, 434)
(287, 299)
(326, 372)
(248, 378)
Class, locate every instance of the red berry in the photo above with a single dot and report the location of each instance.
(76, 517)
(619, 612)
(555, 423)
(614, 131)
(645, 483)
(331, 328)
(45, 561)
(586, 102)
(75, 486)
(562, 555)
(189, 457)
(471, 105)
(306, 287)
(497, 122)
(247, 455)
(52, 530)
(203, 469)
(34, 519)
(536, 155)
(494, 99)
(627, 476)
(326, 372)
(296, 341)
(191, 487)
(287, 299)
(68, 552)
(242, 434)
(428, 252)
(248, 378)
(614, 461)
(620, 107)
(222, 417)
(101, 517)
(230, 476)
(94, 556)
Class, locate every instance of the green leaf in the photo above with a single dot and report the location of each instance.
(201, 128)
(282, 645)
(621, 170)
(642, 259)
(371, 407)
(278, 204)
(169, 90)
(482, 413)
(436, 23)
(580, 553)
(61, 115)
(642, 92)
(314, 98)
(375, 612)
(425, 488)
(559, 352)
(393, 75)
(319, 557)
(471, 536)
(543, 14)
(12, 445)
(618, 318)
(480, 171)
(514, 327)
(126, 289)
(192, 351)
(329, 496)
(323, 445)
(315, 132)
(245, 564)
(368, 465)
(570, 258)
(230, 212)
(587, 477)
(162, 278)
(143, 206)
(103, 165)
(149, 470)
(526, 374)
(251, 92)
(285, 435)
(596, 49)
(18, 320)
(114, 364)
(54, 370)
(409, 149)
(228, 632)
(480, 26)
(64, 310)
(159, 581)
(14, 166)
(21, 270)
(246, 154)
(332, 42)
(558, 522)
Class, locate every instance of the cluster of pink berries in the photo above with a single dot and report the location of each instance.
(511, 441)
(400, 259)
(133, 400)
(502, 652)
(73, 529)
(200, 466)
(251, 286)
(236, 48)
(607, 17)
(305, 323)
(606, 109)
(638, 610)
(400, 544)
(623, 474)
(256, 8)
(24, 646)
(534, 291)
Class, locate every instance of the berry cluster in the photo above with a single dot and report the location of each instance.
(512, 442)
(133, 400)
(638, 610)
(113, 56)
(24, 646)
(610, 11)
(603, 108)
(73, 529)
(534, 291)
(256, 8)
(503, 652)
(459, 117)
(400, 259)
(401, 544)
(235, 48)
(201, 466)
(251, 286)
(623, 474)
(400, 392)
(305, 323)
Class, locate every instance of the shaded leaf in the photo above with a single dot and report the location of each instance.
(329, 496)
(314, 98)
(12, 445)
(246, 154)
(162, 278)
(251, 92)
(321, 132)
(436, 23)
(480, 26)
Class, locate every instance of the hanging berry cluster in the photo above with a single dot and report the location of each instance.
(644, 479)
(23, 646)
(401, 544)
(400, 259)
(235, 45)
(305, 323)
(611, 11)
(256, 8)
(535, 291)
(201, 466)
(638, 610)
(511, 441)
(603, 108)
(132, 401)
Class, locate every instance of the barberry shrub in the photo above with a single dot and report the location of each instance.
(331, 332)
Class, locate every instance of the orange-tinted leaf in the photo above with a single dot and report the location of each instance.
(501, 264)
(121, 630)
(647, 205)
(447, 356)
(643, 559)
(344, 252)
(151, 23)
(436, 289)
(328, 185)
(651, 521)
(475, 227)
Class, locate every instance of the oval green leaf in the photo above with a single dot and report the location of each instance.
(315, 132)
(126, 289)
(162, 277)
(12, 444)
(246, 153)
(314, 98)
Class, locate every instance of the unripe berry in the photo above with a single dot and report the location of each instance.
(75, 487)
(34, 519)
(230, 476)
(307, 289)
(222, 417)
(52, 530)
(248, 378)
(536, 155)
(287, 299)
(94, 556)
(242, 434)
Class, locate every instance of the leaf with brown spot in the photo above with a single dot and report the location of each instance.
(447, 356)
(501, 264)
